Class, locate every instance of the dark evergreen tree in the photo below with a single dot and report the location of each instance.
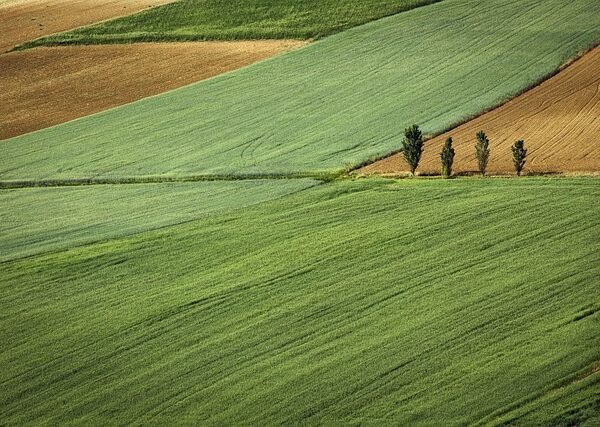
(447, 156)
(482, 151)
(412, 147)
(519, 153)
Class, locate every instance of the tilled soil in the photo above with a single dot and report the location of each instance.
(23, 20)
(46, 86)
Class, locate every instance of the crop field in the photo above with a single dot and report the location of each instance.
(559, 121)
(38, 220)
(194, 20)
(185, 252)
(434, 302)
(329, 106)
(43, 87)
(23, 20)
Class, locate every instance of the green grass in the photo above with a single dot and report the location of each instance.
(187, 20)
(330, 105)
(36, 220)
(356, 302)
(574, 403)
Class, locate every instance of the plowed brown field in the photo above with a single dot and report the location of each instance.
(23, 20)
(45, 86)
(559, 121)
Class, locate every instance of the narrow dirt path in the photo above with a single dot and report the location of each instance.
(46, 86)
(23, 20)
(559, 121)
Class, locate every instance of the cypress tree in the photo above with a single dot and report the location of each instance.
(482, 151)
(447, 156)
(412, 147)
(519, 153)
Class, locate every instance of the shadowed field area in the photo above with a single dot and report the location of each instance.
(43, 87)
(24, 20)
(412, 302)
(559, 121)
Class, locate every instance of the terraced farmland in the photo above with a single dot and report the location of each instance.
(328, 106)
(371, 301)
(559, 121)
(194, 20)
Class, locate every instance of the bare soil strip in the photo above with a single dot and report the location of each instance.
(559, 121)
(23, 20)
(45, 86)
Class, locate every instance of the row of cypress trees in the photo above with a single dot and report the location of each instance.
(413, 145)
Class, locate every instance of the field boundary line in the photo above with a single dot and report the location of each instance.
(323, 177)
(156, 179)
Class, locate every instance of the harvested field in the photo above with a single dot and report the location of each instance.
(559, 121)
(23, 20)
(46, 86)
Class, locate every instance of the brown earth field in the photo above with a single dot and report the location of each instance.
(42, 87)
(559, 120)
(23, 20)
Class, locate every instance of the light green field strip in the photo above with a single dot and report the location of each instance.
(186, 20)
(357, 302)
(330, 105)
(36, 220)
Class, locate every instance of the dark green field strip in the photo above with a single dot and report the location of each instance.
(412, 302)
(193, 20)
(38, 220)
(331, 105)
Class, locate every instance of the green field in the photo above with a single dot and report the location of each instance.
(149, 277)
(187, 20)
(428, 302)
(328, 106)
(37, 220)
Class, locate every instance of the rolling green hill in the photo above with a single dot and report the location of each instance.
(298, 301)
(186, 20)
(325, 107)
(356, 302)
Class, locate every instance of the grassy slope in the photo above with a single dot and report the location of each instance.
(575, 403)
(227, 20)
(335, 103)
(438, 302)
(37, 220)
